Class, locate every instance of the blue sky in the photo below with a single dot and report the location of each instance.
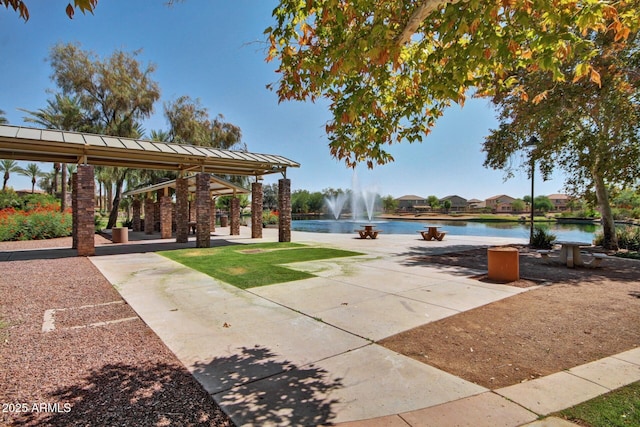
(214, 50)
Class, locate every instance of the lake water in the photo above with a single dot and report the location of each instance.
(572, 232)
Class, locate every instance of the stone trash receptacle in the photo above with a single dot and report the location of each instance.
(504, 264)
(120, 235)
(224, 221)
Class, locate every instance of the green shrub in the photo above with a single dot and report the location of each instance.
(9, 199)
(542, 238)
(628, 238)
(269, 218)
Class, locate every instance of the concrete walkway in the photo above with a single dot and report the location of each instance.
(304, 352)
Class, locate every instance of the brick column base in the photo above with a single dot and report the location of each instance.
(136, 206)
(203, 210)
(74, 211)
(84, 195)
(256, 210)
(166, 206)
(235, 216)
(182, 210)
(148, 215)
(284, 208)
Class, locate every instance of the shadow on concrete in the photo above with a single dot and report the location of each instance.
(434, 257)
(254, 387)
(127, 395)
(132, 247)
(469, 260)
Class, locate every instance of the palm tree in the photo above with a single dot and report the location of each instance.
(8, 166)
(32, 171)
(3, 119)
(62, 113)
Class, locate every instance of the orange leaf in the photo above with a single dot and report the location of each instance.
(541, 96)
(595, 77)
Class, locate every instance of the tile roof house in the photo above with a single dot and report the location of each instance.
(476, 204)
(500, 203)
(560, 201)
(412, 202)
(458, 204)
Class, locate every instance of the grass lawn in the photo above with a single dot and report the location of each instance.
(619, 408)
(249, 266)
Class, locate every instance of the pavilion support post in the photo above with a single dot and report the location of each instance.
(203, 211)
(156, 211)
(136, 206)
(284, 208)
(256, 210)
(74, 211)
(166, 206)
(148, 215)
(235, 216)
(84, 197)
(182, 210)
(213, 214)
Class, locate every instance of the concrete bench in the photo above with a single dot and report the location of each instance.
(596, 260)
(544, 254)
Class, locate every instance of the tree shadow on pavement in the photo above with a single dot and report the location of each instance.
(127, 395)
(256, 387)
(464, 260)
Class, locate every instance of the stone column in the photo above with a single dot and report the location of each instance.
(156, 214)
(148, 215)
(85, 210)
(203, 210)
(74, 211)
(284, 210)
(182, 210)
(234, 210)
(213, 214)
(166, 206)
(136, 205)
(256, 210)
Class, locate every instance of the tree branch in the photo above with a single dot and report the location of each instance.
(419, 15)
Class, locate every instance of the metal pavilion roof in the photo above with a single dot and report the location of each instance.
(45, 145)
(217, 186)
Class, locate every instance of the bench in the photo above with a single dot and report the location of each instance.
(596, 260)
(544, 254)
(426, 236)
(368, 233)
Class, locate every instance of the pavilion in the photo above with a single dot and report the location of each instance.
(217, 187)
(194, 164)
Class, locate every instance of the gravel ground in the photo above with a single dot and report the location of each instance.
(72, 352)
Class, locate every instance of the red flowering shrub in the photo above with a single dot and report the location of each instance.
(40, 218)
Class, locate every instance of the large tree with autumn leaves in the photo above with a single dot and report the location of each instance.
(20, 6)
(390, 68)
(589, 129)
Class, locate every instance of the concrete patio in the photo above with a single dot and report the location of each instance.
(304, 352)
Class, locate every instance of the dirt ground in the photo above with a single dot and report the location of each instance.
(569, 317)
(72, 352)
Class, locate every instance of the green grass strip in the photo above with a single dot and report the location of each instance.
(619, 408)
(249, 266)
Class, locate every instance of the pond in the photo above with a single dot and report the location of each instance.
(572, 232)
